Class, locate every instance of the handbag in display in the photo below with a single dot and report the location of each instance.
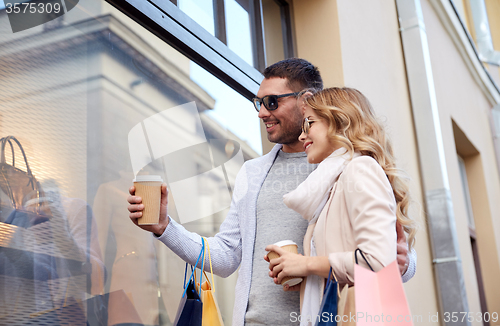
(21, 209)
(19, 200)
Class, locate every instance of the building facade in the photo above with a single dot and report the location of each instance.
(74, 87)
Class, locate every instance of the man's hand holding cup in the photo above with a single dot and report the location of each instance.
(153, 218)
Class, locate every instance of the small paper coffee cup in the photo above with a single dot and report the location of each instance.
(290, 246)
(148, 187)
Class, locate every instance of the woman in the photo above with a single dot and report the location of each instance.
(354, 199)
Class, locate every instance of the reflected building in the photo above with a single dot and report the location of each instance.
(71, 91)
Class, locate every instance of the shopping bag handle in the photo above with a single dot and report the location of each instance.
(4, 142)
(329, 280)
(202, 270)
(362, 255)
(196, 264)
(185, 272)
(2, 155)
(211, 270)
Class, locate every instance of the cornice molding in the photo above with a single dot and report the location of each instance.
(465, 45)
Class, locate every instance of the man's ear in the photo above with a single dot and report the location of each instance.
(302, 101)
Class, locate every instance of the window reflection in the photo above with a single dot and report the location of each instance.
(201, 11)
(239, 37)
(71, 95)
(273, 31)
(245, 124)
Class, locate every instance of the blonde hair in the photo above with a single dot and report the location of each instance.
(352, 124)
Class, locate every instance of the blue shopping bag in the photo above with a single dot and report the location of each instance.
(190, 308)
(328, 307)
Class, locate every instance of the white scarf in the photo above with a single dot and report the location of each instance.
(309, 198)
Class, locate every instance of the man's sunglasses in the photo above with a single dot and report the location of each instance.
(306, 125)
(270, 101)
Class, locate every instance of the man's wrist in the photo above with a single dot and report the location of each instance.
(162, 228)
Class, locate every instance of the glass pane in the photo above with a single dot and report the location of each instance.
(272, 31)
(244, 124)
(239, 36)
(201, 11)
(91, 100)
(465, 189)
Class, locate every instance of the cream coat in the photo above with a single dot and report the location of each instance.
(360, 213)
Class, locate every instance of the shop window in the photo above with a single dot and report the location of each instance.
(73, 92)
(472, 234)
(466, 193)
(259, 31)
(73, 95)
(201, 11)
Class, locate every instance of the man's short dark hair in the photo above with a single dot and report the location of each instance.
(300, 73)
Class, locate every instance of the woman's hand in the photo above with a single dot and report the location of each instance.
(288, 264)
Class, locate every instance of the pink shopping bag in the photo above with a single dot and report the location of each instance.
(380, 297)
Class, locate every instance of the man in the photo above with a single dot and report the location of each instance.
(257, 216)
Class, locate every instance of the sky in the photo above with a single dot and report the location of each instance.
(232, 110)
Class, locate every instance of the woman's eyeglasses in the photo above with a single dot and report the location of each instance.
(306, 125)
(270, 101)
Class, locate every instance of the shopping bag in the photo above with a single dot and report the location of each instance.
(346, 311)
(190, 308)
(337, 307)
(211, 312)
(380, 297)
(328, 307)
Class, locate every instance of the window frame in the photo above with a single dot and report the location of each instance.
(286, 28)
(165, 20)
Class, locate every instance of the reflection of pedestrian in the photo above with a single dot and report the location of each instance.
(74, 216)
(58, 254)
(133, 265)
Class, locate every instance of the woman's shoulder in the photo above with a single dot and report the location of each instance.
(364, 177)
(365, 170)
(363, 165)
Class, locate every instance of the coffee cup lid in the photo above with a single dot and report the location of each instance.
(148, 178)
(285, 243)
